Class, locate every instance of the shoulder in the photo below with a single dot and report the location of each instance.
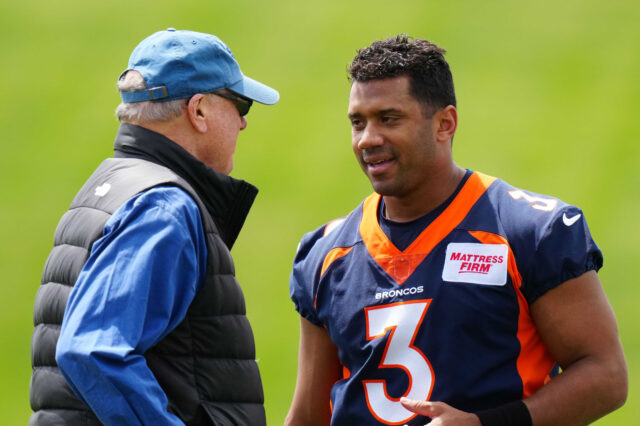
(162, 222)
(161, 204)
(313, 249)
(169, 198)
(315, 246)
(339, 232)
(524, 211)
(549, 238)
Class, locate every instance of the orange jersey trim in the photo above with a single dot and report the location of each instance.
(534, 361)
(401, 264)
(332, 256)
(346, 373)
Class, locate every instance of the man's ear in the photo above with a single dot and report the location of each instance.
(446, 123)
(196, 112)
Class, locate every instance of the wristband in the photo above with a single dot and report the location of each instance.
(514, 413)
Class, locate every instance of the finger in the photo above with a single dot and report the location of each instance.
(425, 408)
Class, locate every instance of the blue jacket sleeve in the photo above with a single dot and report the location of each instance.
(136, 286)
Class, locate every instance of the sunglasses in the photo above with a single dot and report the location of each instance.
(242, 104)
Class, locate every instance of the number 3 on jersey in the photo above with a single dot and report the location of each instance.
(404, 320)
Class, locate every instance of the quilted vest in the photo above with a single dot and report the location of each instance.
(206, 365)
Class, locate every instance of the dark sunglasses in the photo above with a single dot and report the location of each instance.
(242, 104)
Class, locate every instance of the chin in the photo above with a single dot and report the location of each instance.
(227, 169)
(384, 188)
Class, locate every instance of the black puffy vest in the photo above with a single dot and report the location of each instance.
(206, 365)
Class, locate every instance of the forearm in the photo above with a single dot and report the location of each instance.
(118, 390)
(318, 369)
(586, 390)
(310, 405)
(297, 417)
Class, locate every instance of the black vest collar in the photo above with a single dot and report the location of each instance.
(228, 200)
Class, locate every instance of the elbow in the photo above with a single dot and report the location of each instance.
(64, 358)
(288, 421)
(70, 359)
(292, 419)
(297, 417)
(615, 385)
(619, 385)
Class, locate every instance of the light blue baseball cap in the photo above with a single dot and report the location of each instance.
(178, 64)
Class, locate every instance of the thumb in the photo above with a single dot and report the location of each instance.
(425, 408)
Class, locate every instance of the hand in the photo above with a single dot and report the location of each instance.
(441, 414)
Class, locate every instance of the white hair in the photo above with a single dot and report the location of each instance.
(146, 110)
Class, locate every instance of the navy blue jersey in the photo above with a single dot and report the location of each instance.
(447, 319)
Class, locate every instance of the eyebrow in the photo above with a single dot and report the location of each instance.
(378, 113)
(389, 110)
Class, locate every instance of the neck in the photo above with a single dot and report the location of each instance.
(228, 200)
(173, 129)
(430, 195)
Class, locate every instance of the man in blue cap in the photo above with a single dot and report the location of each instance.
(139, 318)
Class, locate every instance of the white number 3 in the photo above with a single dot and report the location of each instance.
(403, 319)
(539, 203)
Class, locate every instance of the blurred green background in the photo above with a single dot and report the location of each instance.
(549, 94)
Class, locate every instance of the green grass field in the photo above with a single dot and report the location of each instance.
(548, 98)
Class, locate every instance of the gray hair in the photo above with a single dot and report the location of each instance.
(147, 110)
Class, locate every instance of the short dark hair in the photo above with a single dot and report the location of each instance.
(423, 62)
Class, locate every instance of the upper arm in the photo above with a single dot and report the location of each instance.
(318, 364)
(140, 276)
(578, 326)
(572, 315)
(136, 286)
(575, 320)
(318, 369)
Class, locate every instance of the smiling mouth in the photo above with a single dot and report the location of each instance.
(378, 166)
(373, 163)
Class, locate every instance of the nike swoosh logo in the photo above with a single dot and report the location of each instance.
(570, 220)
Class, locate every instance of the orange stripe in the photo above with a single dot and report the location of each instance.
(534, 361)
(401, 264)
(333, 255)
(345, 373)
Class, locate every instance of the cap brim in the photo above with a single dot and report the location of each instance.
(252, 89)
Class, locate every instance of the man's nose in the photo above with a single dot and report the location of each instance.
(370, 137)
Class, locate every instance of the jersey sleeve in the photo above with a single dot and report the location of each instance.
(564, 250)
(304, 277)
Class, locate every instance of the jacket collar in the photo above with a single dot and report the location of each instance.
(228, 200)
